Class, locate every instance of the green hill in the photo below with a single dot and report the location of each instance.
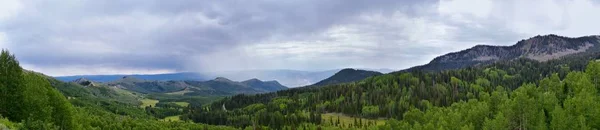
(521, 93)
(216, 87)
(30, 100)
(346, 76)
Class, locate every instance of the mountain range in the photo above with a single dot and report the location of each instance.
(347, 75)
(217, 86)
(568, 69)
(162, 77)
(543, 82)
(289, 78)
(539, 48)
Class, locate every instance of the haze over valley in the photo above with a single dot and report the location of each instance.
(291, 65)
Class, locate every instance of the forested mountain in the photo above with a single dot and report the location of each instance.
(217, 86)
(529, 91)
(84, 82)
(539, 48)
(290, 78)
(346, 76)
(159, 77)
(33, 101)
(148, 86)
(269, 86)
(520, 93)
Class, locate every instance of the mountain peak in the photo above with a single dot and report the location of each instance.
(264, 85)
(129, 79)
(222, 79)
(84, 82)
(253, 80)
(540, 48)
(273, 82)
(348, 70)
(80, 80)
(347, 75)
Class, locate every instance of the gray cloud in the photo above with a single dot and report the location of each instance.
(183, 35)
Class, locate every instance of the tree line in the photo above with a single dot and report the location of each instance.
(476, 96)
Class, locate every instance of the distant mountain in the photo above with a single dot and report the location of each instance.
(347, 75)
(382, 70)
(217, 86)
(264, 85)
(147, 86)
(161, 77)
(84, 82)
(539, 48)
(291, 78)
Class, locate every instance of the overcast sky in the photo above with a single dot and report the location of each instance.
(74, 37)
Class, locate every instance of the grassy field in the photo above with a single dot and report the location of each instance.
(180, 93)
(126, 96)
(172, 118)
(183, 104)
(148, 102)
(347, 120)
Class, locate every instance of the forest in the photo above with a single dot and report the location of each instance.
(514, 94)
(33, 101)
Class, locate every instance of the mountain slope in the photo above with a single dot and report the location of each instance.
(293, 78)
(290, 78)
(147, 86)
(264, 85)
(161, 77)
(497, 95)
(347, 75)
(539, 48)
(219, 86)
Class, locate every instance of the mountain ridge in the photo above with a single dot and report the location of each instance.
(219, 86)
(347, 75)
(286, 77)
(539, 48)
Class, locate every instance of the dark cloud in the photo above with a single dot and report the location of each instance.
(184, 35)
(160, 34)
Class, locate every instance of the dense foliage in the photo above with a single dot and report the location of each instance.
(514, 94)
(346, 76)
(29, 100)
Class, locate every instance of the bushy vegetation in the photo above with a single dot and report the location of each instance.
(516, 94)
(29, 100)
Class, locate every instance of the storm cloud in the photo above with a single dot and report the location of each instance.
(70, 37)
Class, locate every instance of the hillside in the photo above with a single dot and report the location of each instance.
(292, 78)
(520, 93)
(346, 76)
(549, 82)
(269, 86)
(148, 86)
(539, 48)
(32, 100)
(159, 77)
(217, 86)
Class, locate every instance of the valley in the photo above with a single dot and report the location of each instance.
(545, 82)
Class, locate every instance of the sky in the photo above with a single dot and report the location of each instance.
(83, 37)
